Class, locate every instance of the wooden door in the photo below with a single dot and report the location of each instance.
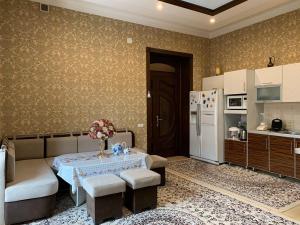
(258, 151)
(235, 152)
(282, 155)
(165, 113)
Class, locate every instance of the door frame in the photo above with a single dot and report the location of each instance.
(185, 86)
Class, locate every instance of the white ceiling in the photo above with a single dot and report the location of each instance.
(182, 20)
(210, 4)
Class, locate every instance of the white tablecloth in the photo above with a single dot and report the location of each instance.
(73, 168)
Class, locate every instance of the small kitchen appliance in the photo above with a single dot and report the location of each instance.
(262, 125)
(276, 125)
(243, 134)
(234, 133)
(236, 102)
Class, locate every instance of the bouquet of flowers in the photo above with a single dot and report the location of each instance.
(102, 129)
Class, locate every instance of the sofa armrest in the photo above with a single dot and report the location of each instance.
(2, 184)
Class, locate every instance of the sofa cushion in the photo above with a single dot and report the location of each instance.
(29, 148)
(101, 185)
(33, 179)
(10, 162)
(87, 144)
(156, 161)
(50, 161)
(61, 145)
(120, 138)
(140, 178)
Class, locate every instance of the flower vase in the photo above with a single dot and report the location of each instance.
(101, 149)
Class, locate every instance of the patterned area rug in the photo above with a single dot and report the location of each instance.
(181, 202)
(266, 189)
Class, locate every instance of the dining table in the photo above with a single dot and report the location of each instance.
(74, 168)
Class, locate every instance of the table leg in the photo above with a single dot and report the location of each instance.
(79, 197)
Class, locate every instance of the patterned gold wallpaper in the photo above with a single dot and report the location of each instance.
(64, 69)
(250, 47)
(1, 71)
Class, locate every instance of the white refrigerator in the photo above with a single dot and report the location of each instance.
(207, 126)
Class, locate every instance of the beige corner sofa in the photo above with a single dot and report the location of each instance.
(28, 184)
(32, 184)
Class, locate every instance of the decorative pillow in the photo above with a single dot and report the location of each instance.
(10, 162)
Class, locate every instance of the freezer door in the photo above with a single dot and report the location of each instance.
(208, 142)
(195, 142)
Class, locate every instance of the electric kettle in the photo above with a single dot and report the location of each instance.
(243, 135)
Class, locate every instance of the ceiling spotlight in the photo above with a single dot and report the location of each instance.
(159, 6)
(212, 20)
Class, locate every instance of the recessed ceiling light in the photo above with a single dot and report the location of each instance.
(212, 20)
(159, 6)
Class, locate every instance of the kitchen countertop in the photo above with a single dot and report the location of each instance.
(272, 133)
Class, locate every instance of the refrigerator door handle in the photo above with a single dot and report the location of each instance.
(198, 120)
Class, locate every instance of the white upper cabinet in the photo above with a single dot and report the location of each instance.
(209, 83)
(235, 82)
(291, 83)
(271, 76)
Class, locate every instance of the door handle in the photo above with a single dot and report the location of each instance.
(157, 120)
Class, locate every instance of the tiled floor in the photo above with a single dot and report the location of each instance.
(293, 213)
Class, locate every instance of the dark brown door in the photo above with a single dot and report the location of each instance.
(169, 81)
(165, 112)
(258, 151)
(282, 155)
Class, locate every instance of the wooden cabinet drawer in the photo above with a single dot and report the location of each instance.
(282, 155)
(297, 166)
(297, 160)
(235, 152)
(258, 151)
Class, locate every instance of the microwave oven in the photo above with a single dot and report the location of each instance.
(237, 102)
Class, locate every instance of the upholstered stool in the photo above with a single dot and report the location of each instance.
(158, 164)
(104, 196)
(141, 189)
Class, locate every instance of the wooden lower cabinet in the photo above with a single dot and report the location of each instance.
(297, 166)
(235, 152)
(282, 155)
(297, 145)
(258, 151)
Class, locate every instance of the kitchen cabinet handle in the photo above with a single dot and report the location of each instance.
(267, 83)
